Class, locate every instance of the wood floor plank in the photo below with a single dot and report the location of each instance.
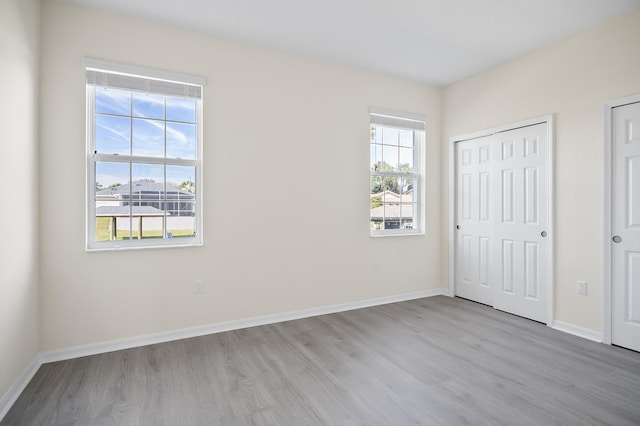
(432, 361)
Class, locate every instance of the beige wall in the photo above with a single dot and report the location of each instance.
(285, 186)
(19, 318)
(571, 79)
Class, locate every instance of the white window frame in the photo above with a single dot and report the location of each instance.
(154, 81)
(407, 121)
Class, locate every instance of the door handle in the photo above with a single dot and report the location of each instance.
(543, 234)
(617, 239)
(457, 226)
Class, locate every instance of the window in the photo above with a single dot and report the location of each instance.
(144, 149)
(395, 167)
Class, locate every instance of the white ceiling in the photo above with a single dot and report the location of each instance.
(433, 41)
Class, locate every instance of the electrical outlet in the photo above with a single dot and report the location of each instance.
(581, 288)
(198, 286)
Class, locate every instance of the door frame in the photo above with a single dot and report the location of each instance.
(608, 211)
(545, 119)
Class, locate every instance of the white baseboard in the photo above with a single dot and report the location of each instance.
(12, 394)
(576, 330)
(203, 330)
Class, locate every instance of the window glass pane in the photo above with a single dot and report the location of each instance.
(151, 225)
(112, 220)
(112, 134)
(406, 216)
(113, 101)
(376, 157)
(377, 213)
(391, 186)
(390, 136)
(407, 190)
(148, 138)
(181, 140)
(148, 199)
(112, 209)
(147, 105)
(376, 134)
(112, 227)
(406, 160)
(111, 178)
(376, 184)
(406, 138)
(389, 158)
(391, 216)
(147, 187)
(147, 178)
(179, 109)
(390, 195)
(181, 226)
(182, 178)
(103, 229)
(181, 201)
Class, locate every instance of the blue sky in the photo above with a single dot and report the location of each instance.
(134, 123)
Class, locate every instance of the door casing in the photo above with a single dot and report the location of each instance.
(549, 120)
(608, 212)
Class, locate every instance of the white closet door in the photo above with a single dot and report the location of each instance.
(473, 245)
(625, 262)
(501, 236)
(521, 222)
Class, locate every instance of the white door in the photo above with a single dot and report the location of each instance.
(501, 236)
(521, 222)
(625, 262)
(473, 218)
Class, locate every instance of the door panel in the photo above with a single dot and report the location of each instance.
(508, 266)
(625, 262)
(633, 297)
(633, 192)
(506, 195)
(473, 218)
(531, 195)
(524, 201)
(531, 283)
(485, 261)
(484, 205)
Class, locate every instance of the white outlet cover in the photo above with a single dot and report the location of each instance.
(581, 288)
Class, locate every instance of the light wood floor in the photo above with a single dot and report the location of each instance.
(430, 361)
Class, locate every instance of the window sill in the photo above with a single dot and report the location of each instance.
(126, 247)
(399, 234)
